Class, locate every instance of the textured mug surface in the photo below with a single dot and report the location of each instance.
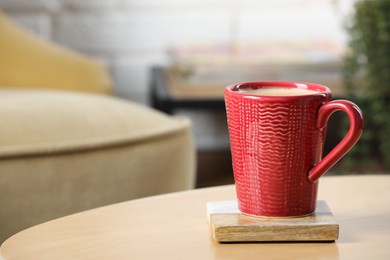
(276, 145)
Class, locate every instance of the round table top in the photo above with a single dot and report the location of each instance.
(175, 226)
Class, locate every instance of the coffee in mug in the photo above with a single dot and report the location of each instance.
(278, 91)
(277, 132)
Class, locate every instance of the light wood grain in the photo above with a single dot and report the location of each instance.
(175, 226)
(228, 225)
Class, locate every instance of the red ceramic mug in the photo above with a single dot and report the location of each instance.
(276, 143)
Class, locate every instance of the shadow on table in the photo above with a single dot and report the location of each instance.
(278, 250)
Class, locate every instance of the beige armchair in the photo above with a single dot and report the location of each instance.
(67, 146)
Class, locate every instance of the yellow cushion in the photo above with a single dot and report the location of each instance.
(27, 61)
(43, 122)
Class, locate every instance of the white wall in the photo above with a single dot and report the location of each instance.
(131, 35)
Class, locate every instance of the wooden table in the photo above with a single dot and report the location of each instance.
(163, 89)
(174, 226)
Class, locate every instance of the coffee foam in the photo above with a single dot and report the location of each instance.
(278, 91)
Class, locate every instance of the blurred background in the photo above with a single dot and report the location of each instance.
(193, 48)
(130, 36)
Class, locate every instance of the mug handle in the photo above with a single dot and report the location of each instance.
(355, 131)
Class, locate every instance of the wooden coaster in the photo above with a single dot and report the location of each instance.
(229, 225)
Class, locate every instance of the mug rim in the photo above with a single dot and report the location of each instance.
(321, 89)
